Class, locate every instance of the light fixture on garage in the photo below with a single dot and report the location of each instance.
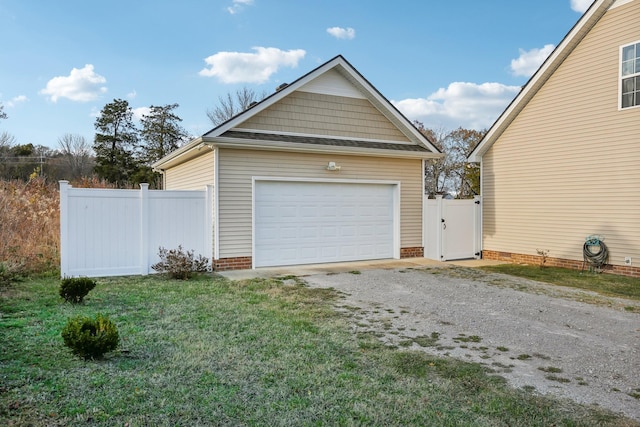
(331, 166)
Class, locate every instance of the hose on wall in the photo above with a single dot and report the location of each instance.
(599, 257)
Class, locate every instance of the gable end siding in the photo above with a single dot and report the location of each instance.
(567, 167)
(328, 115)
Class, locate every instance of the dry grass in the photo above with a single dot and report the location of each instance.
(30, 224)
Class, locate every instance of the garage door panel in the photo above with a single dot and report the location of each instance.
(329, 231)
(304, 223)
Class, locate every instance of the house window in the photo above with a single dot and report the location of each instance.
(630, 75)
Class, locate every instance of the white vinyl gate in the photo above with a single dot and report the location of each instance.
(452, 228)
(107, 232)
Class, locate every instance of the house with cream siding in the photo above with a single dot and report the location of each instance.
(563, 161)
(325, 169)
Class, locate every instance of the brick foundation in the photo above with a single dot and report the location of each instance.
(417, 252)
(245, 263)
(239, 263)
(623, 270)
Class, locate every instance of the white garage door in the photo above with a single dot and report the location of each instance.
(309, 222)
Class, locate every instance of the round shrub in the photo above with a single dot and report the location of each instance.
(90, 338)
(74, 289)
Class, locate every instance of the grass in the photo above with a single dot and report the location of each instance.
(215, 352)
(604, 284)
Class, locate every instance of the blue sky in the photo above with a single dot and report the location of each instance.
(447, 64)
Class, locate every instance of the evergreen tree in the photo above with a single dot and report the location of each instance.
(116, 143)
(161, 133)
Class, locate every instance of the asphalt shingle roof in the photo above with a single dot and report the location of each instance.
(267, 137)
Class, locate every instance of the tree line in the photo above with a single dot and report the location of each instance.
(121, 154)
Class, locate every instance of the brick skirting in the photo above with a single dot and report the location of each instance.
(417, 252)
(245, 263)
(623, 270)
(239, 263)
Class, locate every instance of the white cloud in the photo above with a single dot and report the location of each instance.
(237, 67)
(530, 60)
(466, 105)
(581, 5)
(238, 5)
(81, 85)
(16, 100)
(342, 33)
(140, 111)
(132, 94)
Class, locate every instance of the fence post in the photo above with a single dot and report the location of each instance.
(144, 229)
(208, 222)
(477, 227)
(64, 228)
(439, 236)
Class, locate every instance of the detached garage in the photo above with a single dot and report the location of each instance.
(323, 170)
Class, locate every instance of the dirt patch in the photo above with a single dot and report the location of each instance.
(560, 341)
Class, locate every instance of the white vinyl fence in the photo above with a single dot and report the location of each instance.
(452, 228)
(106, 232)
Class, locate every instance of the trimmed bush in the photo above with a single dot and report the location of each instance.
(90, 338)
(179, 264)
(74, 289)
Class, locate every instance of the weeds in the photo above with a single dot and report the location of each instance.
(29, 225)
(544, 254)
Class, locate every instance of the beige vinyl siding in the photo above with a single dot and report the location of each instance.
(237, 167)
(569, 164)
(191, 175)
(320, 114)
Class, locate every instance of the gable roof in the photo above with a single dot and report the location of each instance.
(584, 25)
(228, 134)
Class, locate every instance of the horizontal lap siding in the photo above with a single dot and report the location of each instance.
(319, 114)
(191, 175)
(568, 166)
(237, 167)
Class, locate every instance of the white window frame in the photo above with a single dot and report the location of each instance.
(622, 77)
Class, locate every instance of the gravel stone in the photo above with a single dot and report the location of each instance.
(563, 342)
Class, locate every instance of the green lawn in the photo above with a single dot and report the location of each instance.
(602, 283)
(215, 352)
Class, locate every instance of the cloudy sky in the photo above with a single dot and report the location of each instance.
(446, 64)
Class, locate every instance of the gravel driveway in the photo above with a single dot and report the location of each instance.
(560, 341)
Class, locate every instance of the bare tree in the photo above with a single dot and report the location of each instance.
(6, 141)
(3, 115)
(438, 172)
(76, 155)
(450, 174)
(230, 105)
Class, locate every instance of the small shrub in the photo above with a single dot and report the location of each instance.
(90, 338)
(74, 289)
(10, 272)
(179, 264)
(544, 254)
